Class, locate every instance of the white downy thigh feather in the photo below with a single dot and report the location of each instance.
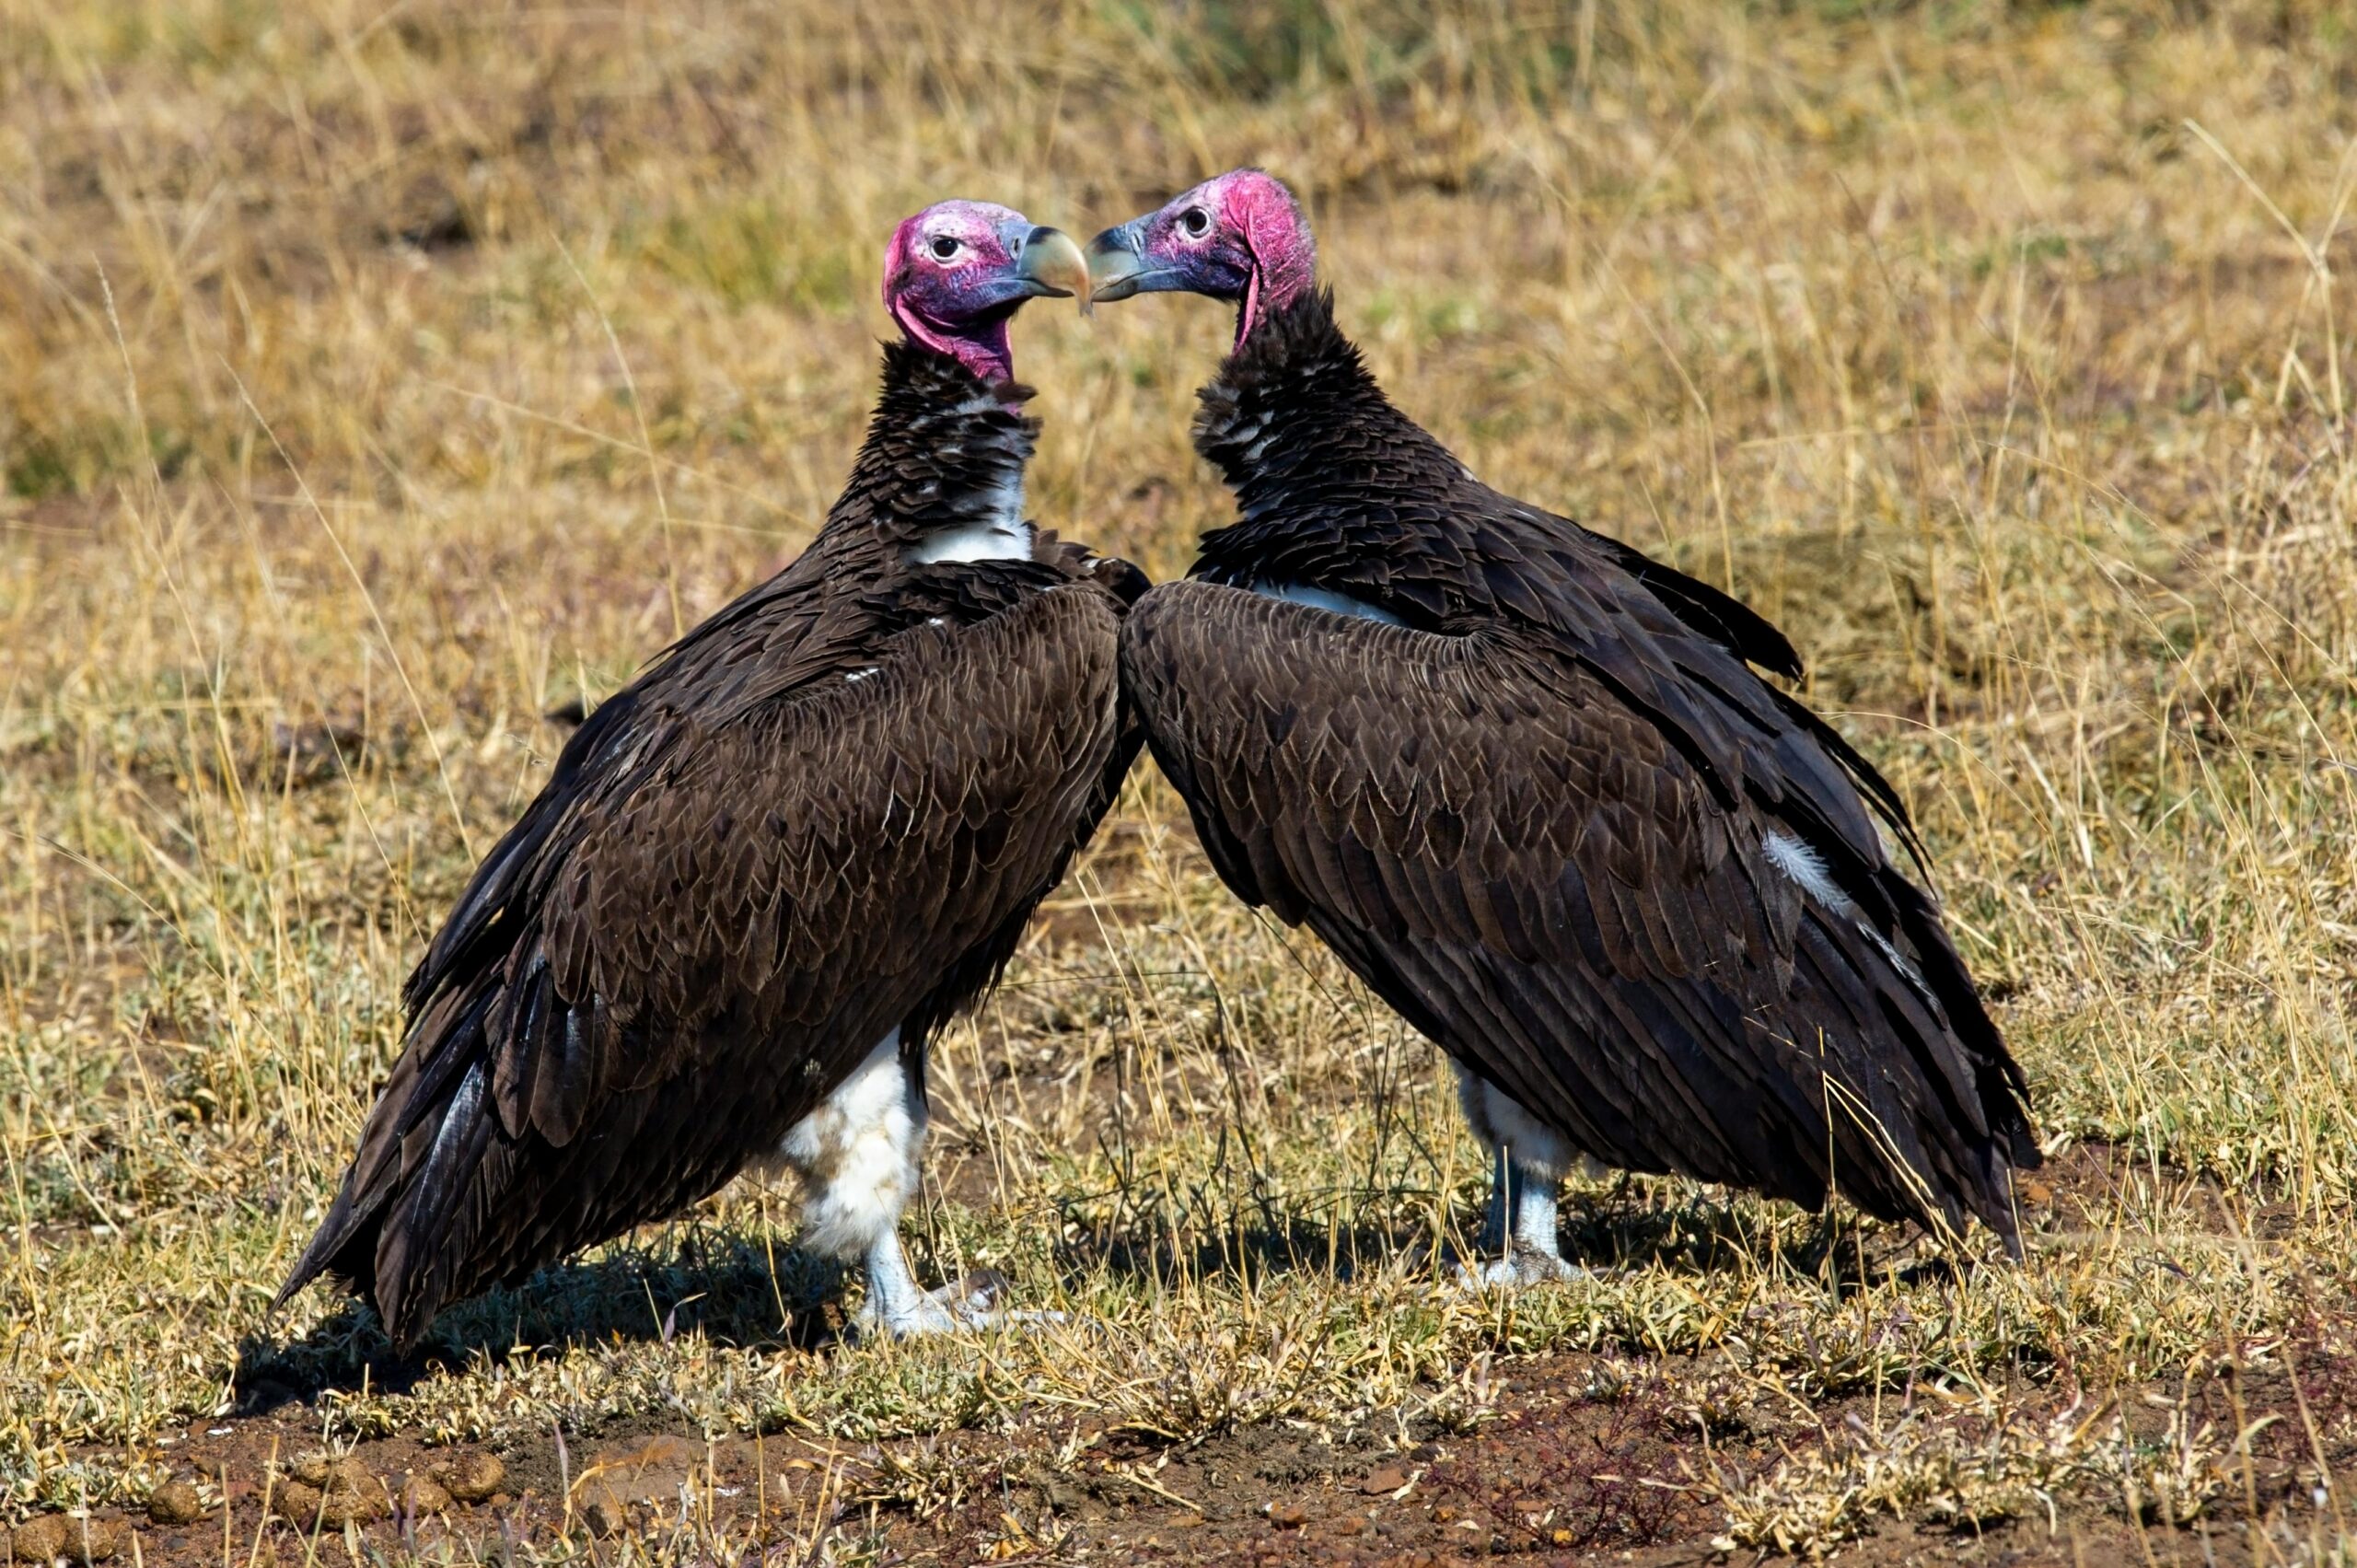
(1501, 1123)
(857, 1154)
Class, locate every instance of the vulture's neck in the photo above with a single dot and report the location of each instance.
(1329, 476)
(940, 475)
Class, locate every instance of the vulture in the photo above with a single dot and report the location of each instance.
(762, 875)
(1526, 784)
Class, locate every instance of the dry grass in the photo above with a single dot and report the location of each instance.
(373, 379)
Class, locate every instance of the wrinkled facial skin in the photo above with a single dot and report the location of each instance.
(956, 273)
(1239, 237)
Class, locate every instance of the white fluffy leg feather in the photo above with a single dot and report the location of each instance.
(1528, 1161)
(858, 1157)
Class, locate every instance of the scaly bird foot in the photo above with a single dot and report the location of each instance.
(966, 1304)
(1522, 1267)
(969, 1303)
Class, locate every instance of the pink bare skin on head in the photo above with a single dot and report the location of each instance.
(1259, 206)
(1238, 237)
(955, 274)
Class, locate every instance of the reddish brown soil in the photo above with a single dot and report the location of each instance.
(1556, 1475)
(1558, 1471)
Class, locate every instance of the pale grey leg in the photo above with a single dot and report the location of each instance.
(896, 1307)
(1530, 1161)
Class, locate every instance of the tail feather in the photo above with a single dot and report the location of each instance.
(1998, 1080)
(345, 1238)
(418, 1154)
(431, 1226)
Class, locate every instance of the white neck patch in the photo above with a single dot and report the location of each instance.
(1001, 534)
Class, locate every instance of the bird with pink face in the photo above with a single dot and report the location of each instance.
(1528, 783)
(768, 870)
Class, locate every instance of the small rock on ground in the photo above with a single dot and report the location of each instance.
(176, 1503)
(422, 1494)
(52, 1536)
(603, 1512)
(470, 1475)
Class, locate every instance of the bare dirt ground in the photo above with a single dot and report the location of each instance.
(1570, 1457)
(1554, 1473)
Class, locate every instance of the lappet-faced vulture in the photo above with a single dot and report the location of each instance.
(1526, 783)
(767, 871)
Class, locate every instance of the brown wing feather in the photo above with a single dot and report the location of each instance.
(706, 923)
(1506, 851)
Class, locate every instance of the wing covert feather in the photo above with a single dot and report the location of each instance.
(1489, 836)
(674, 954)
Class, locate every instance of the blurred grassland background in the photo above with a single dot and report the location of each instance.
(374, 378)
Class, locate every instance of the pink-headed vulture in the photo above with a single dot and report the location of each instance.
(765, 873)
(1526, 782)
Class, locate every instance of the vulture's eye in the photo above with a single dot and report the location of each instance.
(1195, 223)
(944, 247)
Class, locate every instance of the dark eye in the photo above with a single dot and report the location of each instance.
(944, 247)
(1195, 222)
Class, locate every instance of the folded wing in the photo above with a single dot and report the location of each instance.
(1620, 912)
(747, 870)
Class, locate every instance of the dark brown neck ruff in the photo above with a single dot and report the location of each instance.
(1288, 389)
(945, 453)
(1332, 481)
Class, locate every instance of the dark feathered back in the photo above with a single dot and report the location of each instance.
(1555, 817)
(826, 813)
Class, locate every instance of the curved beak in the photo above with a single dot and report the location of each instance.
(1051, 264)
(1116, 271)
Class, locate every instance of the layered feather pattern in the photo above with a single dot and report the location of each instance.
(1553, 816)
(826, 813)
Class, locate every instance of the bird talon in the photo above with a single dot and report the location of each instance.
(974, 1302)
(1523, 1267)
(975, 1298)
(963, 1304)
